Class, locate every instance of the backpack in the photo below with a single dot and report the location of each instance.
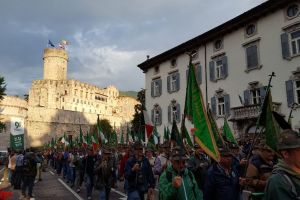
(27, 165)
(289, 181)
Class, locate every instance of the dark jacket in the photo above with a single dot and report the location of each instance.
(88, 165)
(29, 165)
(104, 173)
(141, 180)
(220, 186)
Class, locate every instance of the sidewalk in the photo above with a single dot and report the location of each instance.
(48, 188)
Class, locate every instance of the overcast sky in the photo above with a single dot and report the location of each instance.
(108, 39)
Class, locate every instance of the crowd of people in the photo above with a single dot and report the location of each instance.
(244, 171)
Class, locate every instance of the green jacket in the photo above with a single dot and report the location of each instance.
(168, 192)
(278, 187)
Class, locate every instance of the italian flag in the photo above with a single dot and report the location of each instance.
(82, 139)
(94, 143)
(148, 124)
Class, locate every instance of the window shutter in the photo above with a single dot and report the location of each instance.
(160, 86)
(262, 91)
(247, 96)
(168, 84)
(178, 114)
(152, 116)
(227, 104)
(212, 70)
(199, 74)
(252, 56)
(213, 105)
(224, 67)
(290, 92)
(169, 114)
(160, 116)
(152, 89)
(177, 81)
(285, 46)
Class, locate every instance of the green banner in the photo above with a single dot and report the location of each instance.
(17, 142)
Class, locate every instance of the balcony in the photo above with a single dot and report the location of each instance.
(249, 111)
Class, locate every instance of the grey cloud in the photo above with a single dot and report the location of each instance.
(108, 38)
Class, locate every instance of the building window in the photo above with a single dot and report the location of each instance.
(221, 106)
(292, 11)
(174, 112)
(75, 92)
(252, 56)
(295, 42)
(173, 82)
(255, 94)
(250, 30)
(218, 44)
(256, 98)
(156, 115)
(66, 92)
(156, 87)
(218, 68)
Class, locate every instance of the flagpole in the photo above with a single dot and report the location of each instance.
(256, 135)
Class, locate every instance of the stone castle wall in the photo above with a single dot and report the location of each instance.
(57, 105)
(10, 107)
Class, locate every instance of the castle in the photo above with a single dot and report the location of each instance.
(57, 105)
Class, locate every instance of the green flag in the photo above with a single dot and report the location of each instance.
(214, 127)
(227, 133)
(197, 116)
(175, 135)
(166, 134)
(122, 137)
(114, 138)
(88, 139)
(52, 142)
(267, 120)
(186, 135)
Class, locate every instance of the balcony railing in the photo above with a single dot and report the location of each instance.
(249, 111)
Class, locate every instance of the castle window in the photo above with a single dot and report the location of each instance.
(66, 92)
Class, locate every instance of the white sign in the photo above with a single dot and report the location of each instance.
(16, 126)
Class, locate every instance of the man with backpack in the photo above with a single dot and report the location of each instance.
(29, 174)
(285, 180)
(177, 182)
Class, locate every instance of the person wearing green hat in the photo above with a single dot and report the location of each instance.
(285, 180)
(104, 173)
(177, 182)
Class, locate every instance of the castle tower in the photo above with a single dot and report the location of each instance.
(55, 64)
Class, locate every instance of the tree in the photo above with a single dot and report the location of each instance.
(2, 88)
(138, 122)
(2, 94)
(105, 126)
